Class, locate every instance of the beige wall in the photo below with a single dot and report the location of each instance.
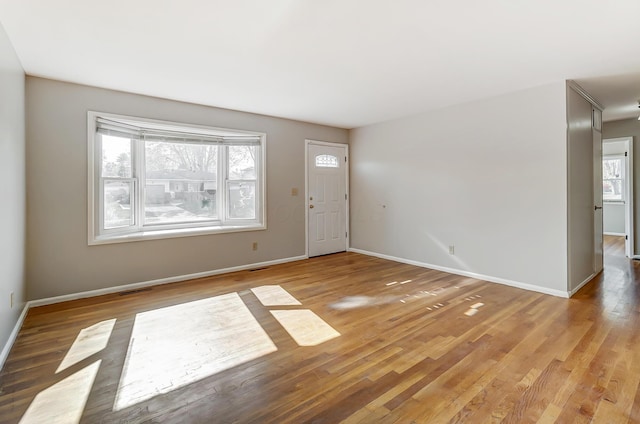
(12, 178)
(629, 128)
(59, 259)
(488, 177)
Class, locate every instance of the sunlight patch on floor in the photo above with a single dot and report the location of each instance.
(89, 341)
(178, 345)
(63, 402)
(305, 327)
(274, 296)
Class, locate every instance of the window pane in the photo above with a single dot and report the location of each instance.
(117, 204)
(116, 157)
(327, 161)
(242, 200)
(181, 183)
(611, 168)
(242, 162)
(612, 190)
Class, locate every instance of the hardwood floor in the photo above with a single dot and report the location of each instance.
(379, 342)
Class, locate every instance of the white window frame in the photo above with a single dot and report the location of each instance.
(138, 231)
(623, 179)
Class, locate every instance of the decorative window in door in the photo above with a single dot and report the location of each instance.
(327, 161)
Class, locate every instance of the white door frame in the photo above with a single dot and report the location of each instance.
(629, 201)
(309, 142)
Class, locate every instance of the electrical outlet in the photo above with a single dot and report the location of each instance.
(12, 299)
(255, 245)
(451, 250)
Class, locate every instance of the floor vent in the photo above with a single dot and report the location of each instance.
(125, 293)
(258, 269)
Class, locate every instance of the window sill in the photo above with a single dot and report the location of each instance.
(173, 233)
(613, 202)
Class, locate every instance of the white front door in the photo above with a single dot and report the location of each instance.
(326, 197)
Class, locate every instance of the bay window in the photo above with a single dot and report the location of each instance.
(152, 179)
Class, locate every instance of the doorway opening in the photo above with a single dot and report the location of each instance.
(617, 190)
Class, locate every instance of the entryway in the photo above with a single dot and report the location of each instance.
(327, 197)
(617, 186)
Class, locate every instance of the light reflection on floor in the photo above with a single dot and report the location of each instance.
(178, 345)
(90, 341)
(355, 302)
(63, 402)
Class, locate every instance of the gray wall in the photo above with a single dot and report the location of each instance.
(613, 218)
(12, 189)
(488, 177)
(629, 128)
(59, 259)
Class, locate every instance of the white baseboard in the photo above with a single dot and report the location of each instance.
(127, 287)
(135, 286)
(12, 337)
(489, 278)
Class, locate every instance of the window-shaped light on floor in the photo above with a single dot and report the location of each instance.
(64, 402)
(178, 345)
(274, 296)
(305, 327)
(89, 341)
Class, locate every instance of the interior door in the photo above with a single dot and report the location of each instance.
(598, 263)
(327, 198)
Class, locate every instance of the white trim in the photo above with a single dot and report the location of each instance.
(589, 278)
(629, 198)
(483, 277)
(175, 233)
(629, 222)
(588, 97)
(306, 197)
(134, 286)
(13, 336)
(308, 142)
(606, 233)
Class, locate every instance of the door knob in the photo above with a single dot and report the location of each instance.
(310, 206)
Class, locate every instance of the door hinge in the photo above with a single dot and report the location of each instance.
(625, 154)
(345, 234)
(626, 237)
(345, 196)
(345, 159)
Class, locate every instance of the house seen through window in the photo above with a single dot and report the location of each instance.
(153, 179)
(613, 178)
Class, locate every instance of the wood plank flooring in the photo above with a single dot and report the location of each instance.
(401, 344)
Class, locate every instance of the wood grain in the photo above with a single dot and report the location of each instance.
(408, 350)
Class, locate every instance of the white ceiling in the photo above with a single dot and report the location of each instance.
(345, 63)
